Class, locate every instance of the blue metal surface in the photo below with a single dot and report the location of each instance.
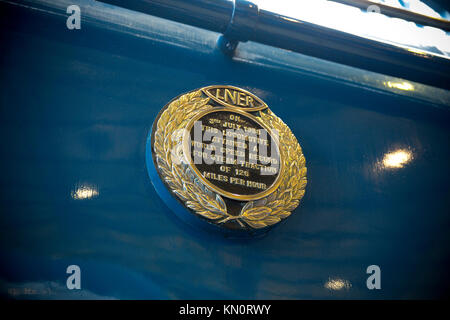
(76, 108)
(244, 21)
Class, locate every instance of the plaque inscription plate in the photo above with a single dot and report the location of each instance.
(233, 162)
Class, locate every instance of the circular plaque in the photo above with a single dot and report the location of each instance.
(220, 159)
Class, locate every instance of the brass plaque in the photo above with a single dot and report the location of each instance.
(228, 159)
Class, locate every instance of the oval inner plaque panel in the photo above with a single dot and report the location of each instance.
(233, 154)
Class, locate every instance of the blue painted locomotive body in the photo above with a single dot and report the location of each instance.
(76, 109)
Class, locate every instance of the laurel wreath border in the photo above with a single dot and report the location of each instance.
(182, 181)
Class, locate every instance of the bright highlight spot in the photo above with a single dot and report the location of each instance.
(400, 85)
(417, 51)
(84, 192)
(337, 284)
(397, 159)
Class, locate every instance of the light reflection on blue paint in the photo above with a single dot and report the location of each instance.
(84, 191)
(401, 85)
(337, 284)
(397, 159)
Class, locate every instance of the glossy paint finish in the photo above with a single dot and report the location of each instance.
(247, 22)
(206, 14)
(76, 108)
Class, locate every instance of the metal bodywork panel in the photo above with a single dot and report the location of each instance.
(77, 107)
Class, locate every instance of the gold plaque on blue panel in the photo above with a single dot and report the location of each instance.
(227, 159)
